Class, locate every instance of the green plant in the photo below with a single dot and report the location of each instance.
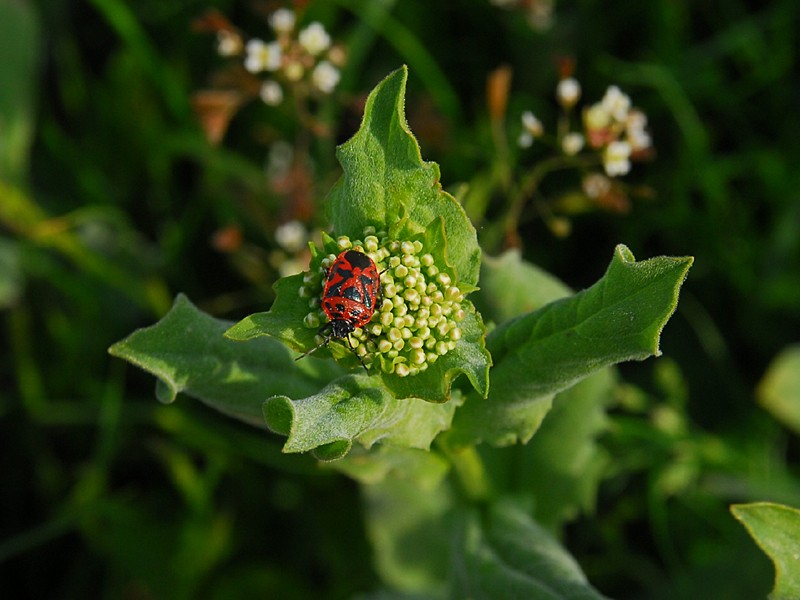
(430, 447)
(776, 529)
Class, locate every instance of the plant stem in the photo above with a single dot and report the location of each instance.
(471, 472)
(529, 184)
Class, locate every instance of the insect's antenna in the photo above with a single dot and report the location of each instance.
(314, 349)
(325, 328)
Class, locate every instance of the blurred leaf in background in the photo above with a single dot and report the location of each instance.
(776, 529)
(19, 82)
(19, 73)
(779, 389)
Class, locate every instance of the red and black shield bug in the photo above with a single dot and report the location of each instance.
(352, 288)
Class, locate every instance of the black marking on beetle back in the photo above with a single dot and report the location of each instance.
(358, 259)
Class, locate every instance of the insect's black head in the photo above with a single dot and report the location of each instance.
(341, 328)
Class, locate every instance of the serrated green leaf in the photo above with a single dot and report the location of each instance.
(619, 318)
(386, 184)
(354, 408)
(283, 321)
(187, 351)
(776, 529)
(536, 355)
(506, 554)
(779, 390)
(498, 423)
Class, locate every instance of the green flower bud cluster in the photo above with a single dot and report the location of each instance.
(418, 312)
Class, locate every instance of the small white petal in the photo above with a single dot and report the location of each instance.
(282, 20)
(262, 57)
(252, 61)
(292, 236)
(325, 77)
(596, 117)
(572, 143)
(271, 92)
(616, 158)
(229, 43)
(616, 103)
(568, 91)
(596, 185)
(314, 38)
(532, 125)
(525, 140)
(294, 71)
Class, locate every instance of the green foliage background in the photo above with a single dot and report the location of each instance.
(109, 196)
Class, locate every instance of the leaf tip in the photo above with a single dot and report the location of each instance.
(117, 349)
(624, 253)
(166, 391)
(279, 414)
(332, 451)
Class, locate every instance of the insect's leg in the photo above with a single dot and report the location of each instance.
(358, 356)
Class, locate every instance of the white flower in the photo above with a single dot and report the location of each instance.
(271, 92)
(568, 92)
(636, 119)
(635, 133)
(540, 14)
(525, 140)
(337, 55)
(638, 139)
(572, 143)
(616, 103)
(282, 20)
(596, 117)
(262, 56)
(596, 185)
(291, 236)
(531, 124)
(325, 77)
(294, 70)
(314, 38)
(229, 43)
(616, 158)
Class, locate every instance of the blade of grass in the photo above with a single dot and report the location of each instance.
(412, 52)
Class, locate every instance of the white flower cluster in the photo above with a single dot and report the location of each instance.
(612, 127)
(307, 55)
(617, 129)
(417, 318)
